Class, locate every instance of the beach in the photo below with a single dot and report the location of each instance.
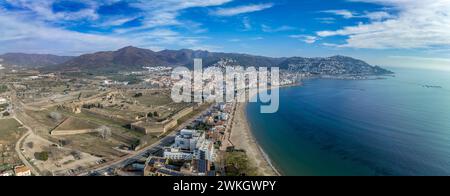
(242, 138)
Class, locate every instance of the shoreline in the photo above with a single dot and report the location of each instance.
(261, 150)
(243, 138)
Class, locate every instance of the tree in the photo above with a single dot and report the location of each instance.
(237, 164)
(104, 132)
(41, 156)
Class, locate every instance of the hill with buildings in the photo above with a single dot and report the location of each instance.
(134, 59)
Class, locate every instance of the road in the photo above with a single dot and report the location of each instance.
(143, 153)
(13, 107)
(19, 151)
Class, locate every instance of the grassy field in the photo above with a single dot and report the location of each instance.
(98, 119)
(152, 100)
(10, 130)
(93, 144)
(76, 124)
(43, 117)
(118, 126)
(125, 114)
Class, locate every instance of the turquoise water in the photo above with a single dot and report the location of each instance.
(393, 126)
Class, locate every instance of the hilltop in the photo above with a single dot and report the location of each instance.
(133, 59)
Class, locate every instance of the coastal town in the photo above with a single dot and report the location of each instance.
(125, 124)
(224, 96)
(122, 113)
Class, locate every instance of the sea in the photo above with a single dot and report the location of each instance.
(391, 126)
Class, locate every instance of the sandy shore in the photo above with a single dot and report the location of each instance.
(242, 138)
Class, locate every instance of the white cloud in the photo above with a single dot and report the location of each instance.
(36, 26)
(22, 36)
(269, 29)
(117, 21)
(344, 13)
(242, 9)
(159, 13)
(43, 10)
(154, 13)
(36, 37)
(347, 14)
(377, 16)
(309, 39)
(330, 45)
(417, 24)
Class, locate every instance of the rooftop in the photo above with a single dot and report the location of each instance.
(21, 169)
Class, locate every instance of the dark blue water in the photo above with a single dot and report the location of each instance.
(394, 126)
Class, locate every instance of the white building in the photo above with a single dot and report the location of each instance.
(186, 140)
(205, 150)
(223, 116)
(222, 107)
(107, 82)
(177, 154)
(3, 100)
(22, 171)
(110, 82)
(190, 144)
(7, 173)
(32, 78)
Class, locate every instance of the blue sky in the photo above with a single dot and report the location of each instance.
(384, 32)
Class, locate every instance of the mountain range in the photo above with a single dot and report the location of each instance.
(32, 60)
(133, 59)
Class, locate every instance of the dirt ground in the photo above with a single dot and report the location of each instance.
(61, 161)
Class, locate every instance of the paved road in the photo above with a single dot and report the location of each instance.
(135, 156)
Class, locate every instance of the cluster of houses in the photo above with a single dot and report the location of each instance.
(160, 81)
(18, 171)
(195, 150)
(112, 82)
(158, 69)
